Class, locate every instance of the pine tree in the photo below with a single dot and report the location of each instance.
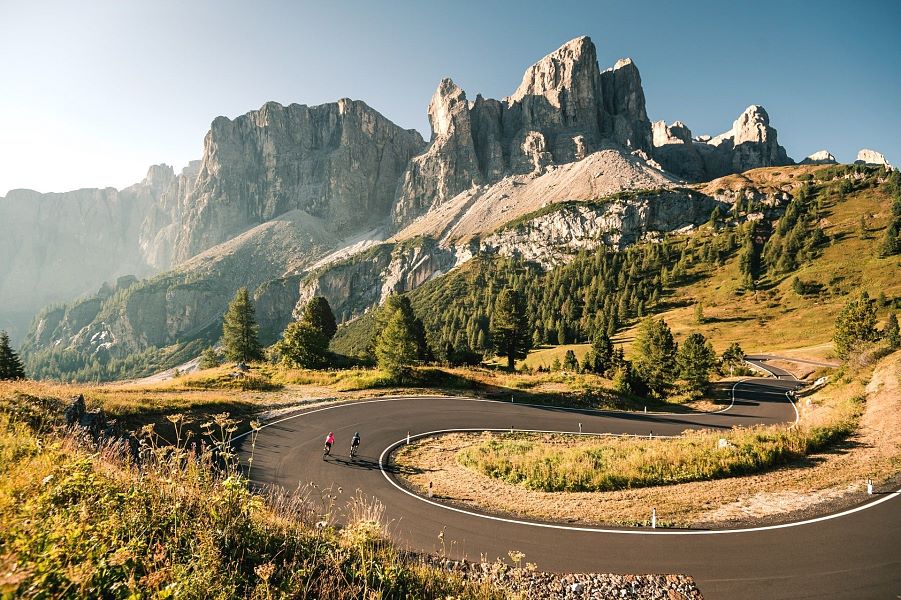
(209, 358)
(395, 348)
(240, 329)
(10, 365)
(733, 355)
(855, 323)
(891, 240)
(601, 353)
(715, 216)
(699, 313)
(303, 345)
(655, 361)
(510, 331)
(695, 359)
(570, 363)
(318, 313)
(891, 333)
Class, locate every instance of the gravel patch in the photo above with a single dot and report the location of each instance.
(539, 585)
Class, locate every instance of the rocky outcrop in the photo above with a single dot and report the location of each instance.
(355, 285)
(340, 162)
(663, 134)
(551, 239)
(750, 143)
(823, 157)
(871, 157)
(564, 109)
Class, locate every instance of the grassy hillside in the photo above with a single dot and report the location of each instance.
(829, 240)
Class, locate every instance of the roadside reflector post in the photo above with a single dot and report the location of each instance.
(430, 489)
(653, 518)
(511, 428)
(580, 428)
(511, 398)
(645, 409)
(651, 435)
(408, 438)
(869, 487)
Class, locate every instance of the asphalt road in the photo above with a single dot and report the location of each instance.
(857, 555)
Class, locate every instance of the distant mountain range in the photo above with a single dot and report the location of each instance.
(336, 200)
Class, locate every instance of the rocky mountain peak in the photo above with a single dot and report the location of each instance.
(871, 157)
(448, 108)
(572, 69)
(663, 134)
(823, 157)
(564, 110)
(753, 125)
(338, 161)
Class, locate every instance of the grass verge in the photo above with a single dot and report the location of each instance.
(830, 478)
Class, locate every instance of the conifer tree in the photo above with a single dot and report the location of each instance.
(395, 348)
(303, 345)
(891, 332)
(601, 353)
(733, 355)
(569, 362)
(855, 323)
(240, 330)
(10, 365)
(655, 361)
(695, 360)
(510, 331)
(318, 313)
(209, 358)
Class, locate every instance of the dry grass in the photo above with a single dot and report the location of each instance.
(77, 520)
(874, 450)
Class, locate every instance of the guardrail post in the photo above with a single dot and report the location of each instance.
(653, 518)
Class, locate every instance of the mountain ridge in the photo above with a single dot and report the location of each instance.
(570, 133)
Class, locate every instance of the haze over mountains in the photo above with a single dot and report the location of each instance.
(335, 200)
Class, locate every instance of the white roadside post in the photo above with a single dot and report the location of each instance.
(408, 438)
(430, 489)
(653, 518)
(580, 428)
(869, 487)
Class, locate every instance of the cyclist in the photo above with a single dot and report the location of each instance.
(354, 443)
(329, 440)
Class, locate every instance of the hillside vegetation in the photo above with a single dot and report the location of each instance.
(78, 520)
(768, 277)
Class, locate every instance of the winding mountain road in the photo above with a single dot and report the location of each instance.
(855, 554)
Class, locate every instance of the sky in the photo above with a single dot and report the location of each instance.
(94, 92)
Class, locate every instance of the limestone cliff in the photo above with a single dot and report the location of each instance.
(749, 144)
(339, 161)
(59, 246)
(564, 109)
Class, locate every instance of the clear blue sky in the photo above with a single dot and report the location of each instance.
(91, 93)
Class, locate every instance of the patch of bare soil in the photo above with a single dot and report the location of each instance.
(822, 483)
